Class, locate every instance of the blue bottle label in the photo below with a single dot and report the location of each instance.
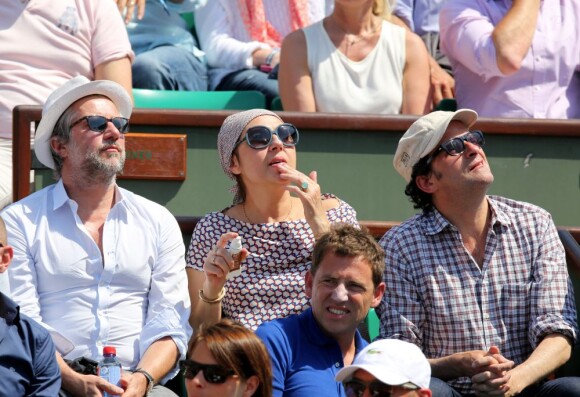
(111, 374)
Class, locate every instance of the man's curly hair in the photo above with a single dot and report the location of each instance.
(419, 198)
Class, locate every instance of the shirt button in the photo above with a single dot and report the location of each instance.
(337, 364)
(486, 316)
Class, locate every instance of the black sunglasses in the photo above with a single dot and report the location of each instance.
(99, 123)
(260, 137)
(456, 146)
(212, 373)
(356, 388)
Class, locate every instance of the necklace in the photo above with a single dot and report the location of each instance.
(352, 39)
(283, 220)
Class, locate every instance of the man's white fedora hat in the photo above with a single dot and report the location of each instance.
(76, 88)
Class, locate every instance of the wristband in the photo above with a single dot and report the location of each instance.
(271, 56)
(147, 375)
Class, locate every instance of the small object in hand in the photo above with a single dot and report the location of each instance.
(304, 186)
(235, 250)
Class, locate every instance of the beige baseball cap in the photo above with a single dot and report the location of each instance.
(424, 135)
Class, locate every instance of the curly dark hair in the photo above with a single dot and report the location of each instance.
(420, 199)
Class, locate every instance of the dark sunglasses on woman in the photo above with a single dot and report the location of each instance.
(260, 137)
(356, 388)
(99, 123)
(212, 373)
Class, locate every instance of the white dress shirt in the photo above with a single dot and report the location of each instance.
(131, 295)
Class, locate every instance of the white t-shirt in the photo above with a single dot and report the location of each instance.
(45, 43)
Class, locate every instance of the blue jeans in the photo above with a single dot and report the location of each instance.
(169, 68)
(567, 386)
(250, 80)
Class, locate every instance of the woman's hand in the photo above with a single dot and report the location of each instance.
(217, 265)
(307, 189)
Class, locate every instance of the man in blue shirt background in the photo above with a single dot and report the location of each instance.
(345, 280)
(28, 366)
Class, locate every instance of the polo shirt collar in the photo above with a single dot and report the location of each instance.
(318, 337)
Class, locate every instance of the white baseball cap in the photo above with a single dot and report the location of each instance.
(393, 362)
(63, 97)
(424, 135)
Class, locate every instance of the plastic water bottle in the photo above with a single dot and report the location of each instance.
(110, 368)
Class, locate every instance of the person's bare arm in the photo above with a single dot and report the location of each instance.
(201, 312)
(416, 84)
(118, 70)
(442, 84)
(294, 78)
(398, 21)
(512, 36)
(211, 280)
(159, 358)
(552, 352)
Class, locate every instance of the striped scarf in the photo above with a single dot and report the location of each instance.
(254, 17)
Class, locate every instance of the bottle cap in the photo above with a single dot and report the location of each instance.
(109, 350)
(235, 245)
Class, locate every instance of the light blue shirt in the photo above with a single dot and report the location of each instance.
(422, 16)
(162, 24)
(129, 295)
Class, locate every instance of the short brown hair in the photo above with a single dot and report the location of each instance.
(236, 347)
(347, 240)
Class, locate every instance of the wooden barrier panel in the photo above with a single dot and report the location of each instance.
(155, 157)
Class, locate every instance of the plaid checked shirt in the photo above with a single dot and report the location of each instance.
(438, 298)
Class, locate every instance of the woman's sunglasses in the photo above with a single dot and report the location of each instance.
(211, 372)
(260, 137)
(99, 123)
(356, 388)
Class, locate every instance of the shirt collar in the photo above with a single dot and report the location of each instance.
(497, 214)
(434, 222)
(60, 196)
(318, 337)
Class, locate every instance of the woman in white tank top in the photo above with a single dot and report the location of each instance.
(354, 61)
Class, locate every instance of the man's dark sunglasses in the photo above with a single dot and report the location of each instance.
(356, 388)
(260, 137)
(456, 146)
(211, 372)
(99, 123)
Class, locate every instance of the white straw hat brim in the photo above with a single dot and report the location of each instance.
(63, 97)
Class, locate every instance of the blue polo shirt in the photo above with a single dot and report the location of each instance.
(28, 365)
(304, 359)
